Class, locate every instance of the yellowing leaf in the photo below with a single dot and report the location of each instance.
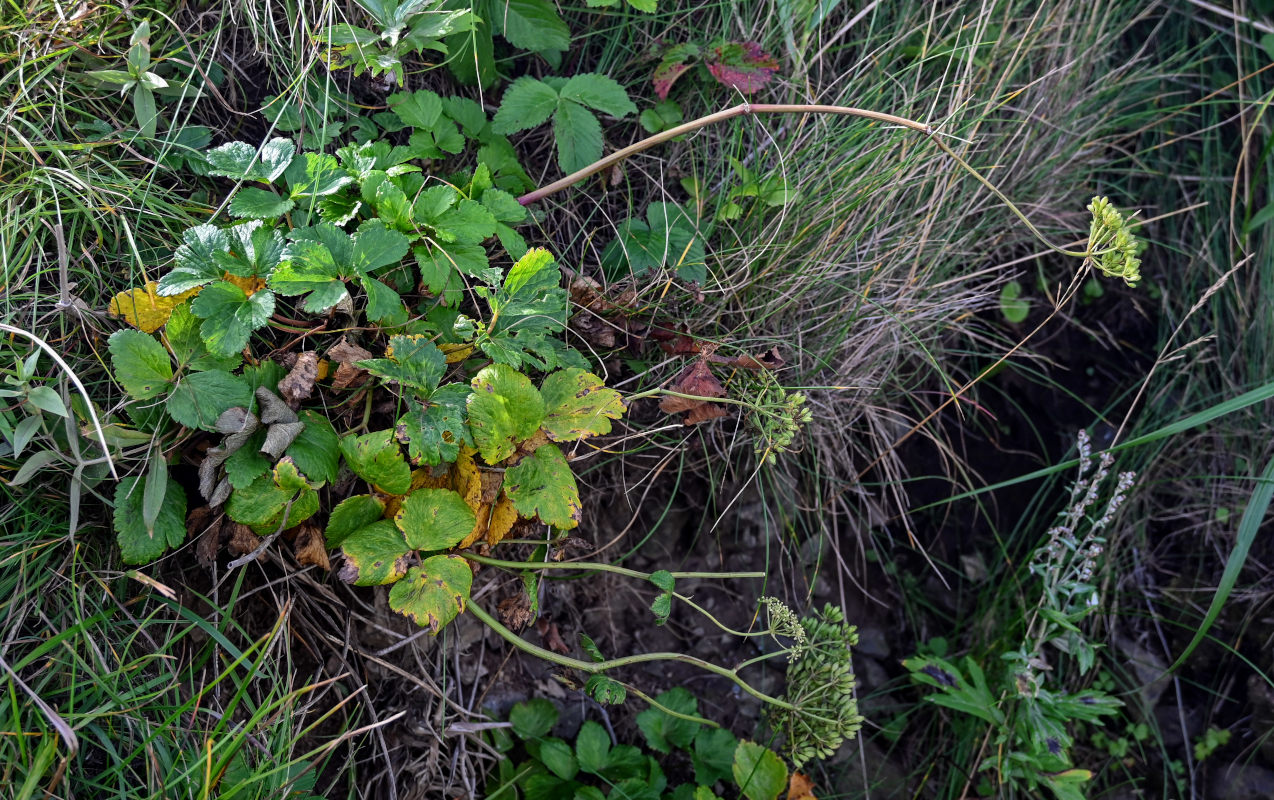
(144, 309)
(503, 516)
(456, 353)
(249, 285)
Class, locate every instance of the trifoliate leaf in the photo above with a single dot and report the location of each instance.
(255, 250)
(435, 592)
(543, 485)
(230, 316)
(262, 505)
(435, 430)
(242, 161)
(194, 263)
(140, 364)
(434, 519)
(376, 458)
(599, 92)
(201, 397)
(467, 112)
(252, 202)
(469, 222)
(138, 545)
(504, 410)
(663, 731)
(759, 772)
(352, 514)
(578, 135)
(144, 308)
(390, 201)
(315, 449)
(375, 554)
(578, 405)
(527, 102)
(414, 362)
(311, 265)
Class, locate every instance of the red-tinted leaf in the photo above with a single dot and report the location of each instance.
(741, 65)
(676, 60)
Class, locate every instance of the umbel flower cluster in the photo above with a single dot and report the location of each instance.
(1112, 243)
(820, 685)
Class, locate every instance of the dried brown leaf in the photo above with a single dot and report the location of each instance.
(298, 384)
(515, 611)
(242, 539)
(310, 547)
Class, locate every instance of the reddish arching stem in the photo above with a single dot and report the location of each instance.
(720, 116)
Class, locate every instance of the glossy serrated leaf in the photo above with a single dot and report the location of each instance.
(282, 498)
(182, 335)
(242, 161)
(413, 362)
(504, 409)
(137, 544)
(255, 250)
(434, 519)
(194, 263)
(578, 405)
(377, 246)
(252, 202)
(230, 316)
(434, 593)
(323, 176)
(543, 485)
(527, 268)
(352, 514)
(375, 554)
(140, 364)
(605, 690)
(435, 430)
(376, 458)
(316, 449)
(201, 397)
(420, 109)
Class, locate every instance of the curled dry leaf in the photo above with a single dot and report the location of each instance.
(346, 356)
(242, 539)
(310, 547)
(799, 787)
(515, 611)
(552, 636)
(298, 384)
(696, 379)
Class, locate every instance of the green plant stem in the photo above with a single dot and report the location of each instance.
(745, 109)
(599, 667)
(597, 567)
(715, 621)
(656, 704)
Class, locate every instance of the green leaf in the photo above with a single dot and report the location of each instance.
(182, 334)
(557, 756)
(504, 409)
(468, 113)
(527, 268)
(195, 263)
(526, 104)
(255, 203)
(230, 316)
(1013, 305)
(759, 772)
(201, 397)
(663, 731)
(376, 458)
(262, 504)
(664, 580)
(155, 490)
(241, 161)
(144, 110)
(351, 515)
(137, 544)
(323, 176)
(435, 430)
(255, 250)
(139, 363)
(375, 554)
(434, 519)
(315, 448)
(414, 362)
(435, 592)
(47, 399)
(713, 755)
(578, 405)
(607, 691)
(578, 135)
(532, 25)
(598, 92)
(420, 109)
(592, 748)
(543, 485)
(533, 718)
(376, 246)
(317, 261)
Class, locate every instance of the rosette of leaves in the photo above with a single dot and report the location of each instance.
(820, 686)
(402, 27)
